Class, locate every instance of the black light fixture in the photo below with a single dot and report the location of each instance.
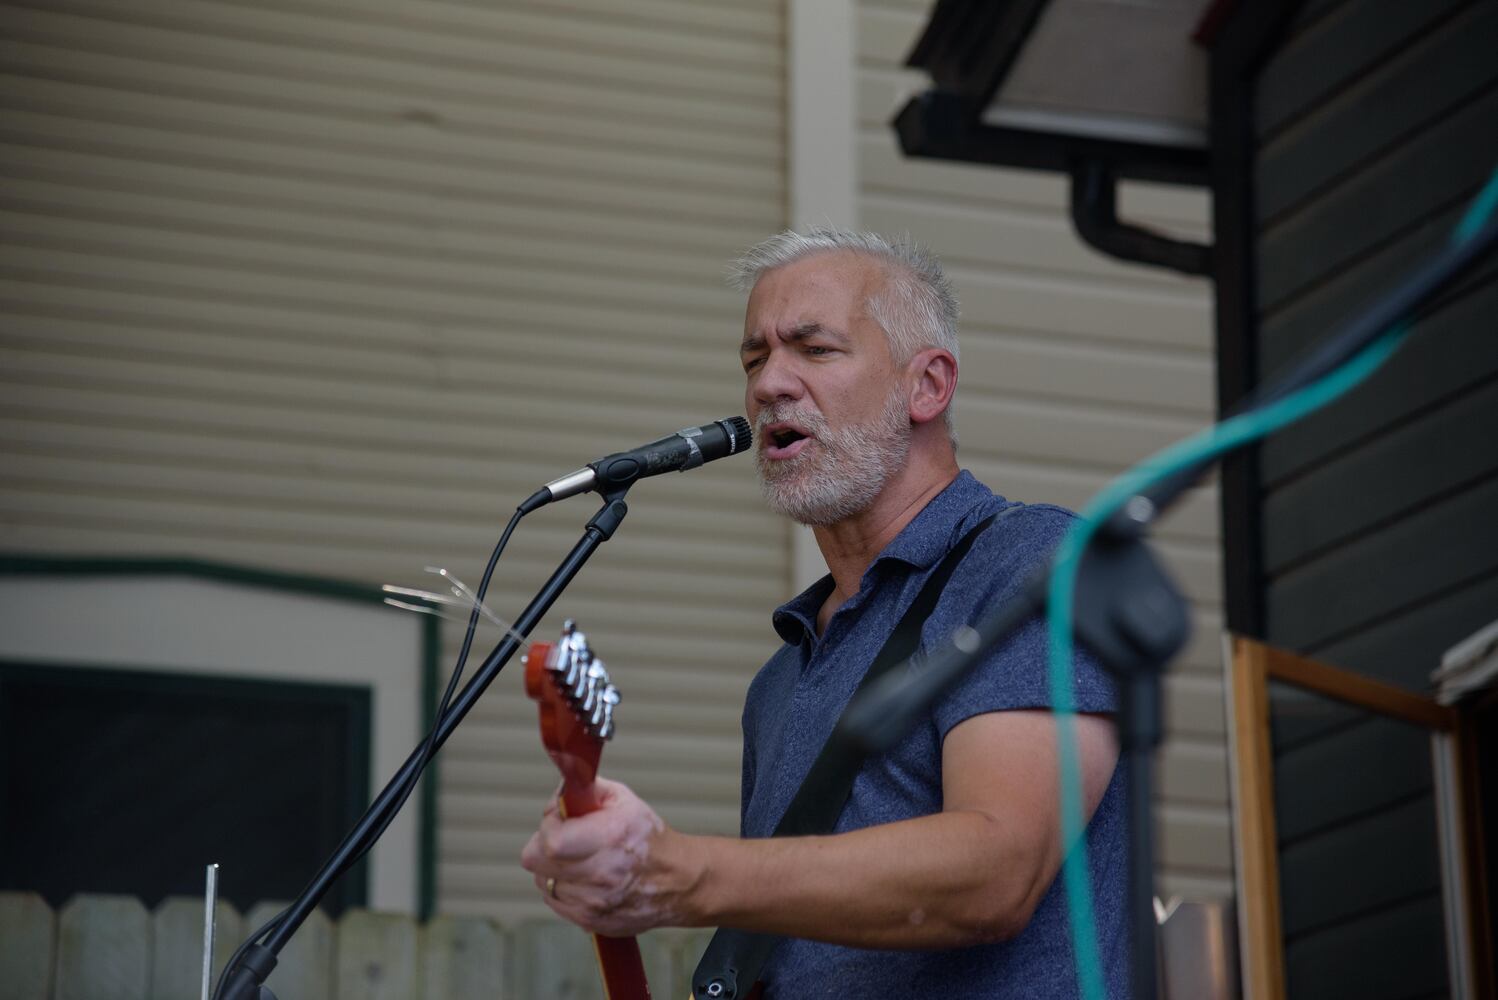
(1097, 89)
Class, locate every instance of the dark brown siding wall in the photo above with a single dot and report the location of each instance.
(1377, 121)
(1377, 512)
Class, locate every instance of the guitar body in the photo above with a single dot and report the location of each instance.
(576, 704)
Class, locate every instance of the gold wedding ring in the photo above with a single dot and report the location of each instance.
(551, 887)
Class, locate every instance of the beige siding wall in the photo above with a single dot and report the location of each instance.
(1073, 367)
(330, 287)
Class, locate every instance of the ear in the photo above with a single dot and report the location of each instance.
(933, 374)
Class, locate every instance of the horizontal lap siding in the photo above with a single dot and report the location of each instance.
(1377, 122)
(1073, 366)
(329, 288)
(1401, 472)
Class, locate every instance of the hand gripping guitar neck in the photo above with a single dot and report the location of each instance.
(577, 716)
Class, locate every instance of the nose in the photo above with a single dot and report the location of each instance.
(775, 380)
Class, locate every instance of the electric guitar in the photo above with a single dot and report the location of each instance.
(577, 716)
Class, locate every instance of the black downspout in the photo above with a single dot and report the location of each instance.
(1094, 213)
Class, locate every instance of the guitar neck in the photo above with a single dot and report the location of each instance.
(618, 957)
(578, 799)
(576, 702)
(622, 967)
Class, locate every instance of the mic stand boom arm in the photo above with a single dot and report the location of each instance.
(248, 975)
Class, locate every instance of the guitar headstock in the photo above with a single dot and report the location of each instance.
(576, 702)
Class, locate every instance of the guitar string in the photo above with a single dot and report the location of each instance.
(456, 606)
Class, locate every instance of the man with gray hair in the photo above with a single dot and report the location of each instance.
(940, 878)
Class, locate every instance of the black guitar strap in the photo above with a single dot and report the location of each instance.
(733, 956)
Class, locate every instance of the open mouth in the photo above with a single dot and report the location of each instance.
(783, 441)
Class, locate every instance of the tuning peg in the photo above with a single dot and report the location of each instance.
(601, 705)
(604, 716)
(570, 669)
(564, 665)
(598, 679)
(577, 678)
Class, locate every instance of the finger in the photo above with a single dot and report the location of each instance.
(567, 902)
(531, 855)
(567, 842)
(549, 851)
(607, 790)
(556, 904)
(549, 886)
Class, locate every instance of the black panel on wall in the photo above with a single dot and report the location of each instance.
(131, 782)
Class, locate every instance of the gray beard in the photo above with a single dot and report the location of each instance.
(841, 472)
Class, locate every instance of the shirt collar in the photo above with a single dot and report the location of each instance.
(920, 544)
(932, 532)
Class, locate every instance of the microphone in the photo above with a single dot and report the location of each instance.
(686, 449)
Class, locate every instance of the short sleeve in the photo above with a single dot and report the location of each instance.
(1016, 675)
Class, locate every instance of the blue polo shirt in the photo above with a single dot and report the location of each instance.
(798, 695)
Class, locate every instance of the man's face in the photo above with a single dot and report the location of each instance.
(827, 401)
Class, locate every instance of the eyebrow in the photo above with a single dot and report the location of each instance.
(801, 331)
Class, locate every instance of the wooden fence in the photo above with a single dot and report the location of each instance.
(100, 947)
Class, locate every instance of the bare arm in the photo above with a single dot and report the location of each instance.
(973, 872)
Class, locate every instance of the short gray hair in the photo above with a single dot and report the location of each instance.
(916, 307)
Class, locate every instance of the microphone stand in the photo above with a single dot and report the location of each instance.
(246, 979)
